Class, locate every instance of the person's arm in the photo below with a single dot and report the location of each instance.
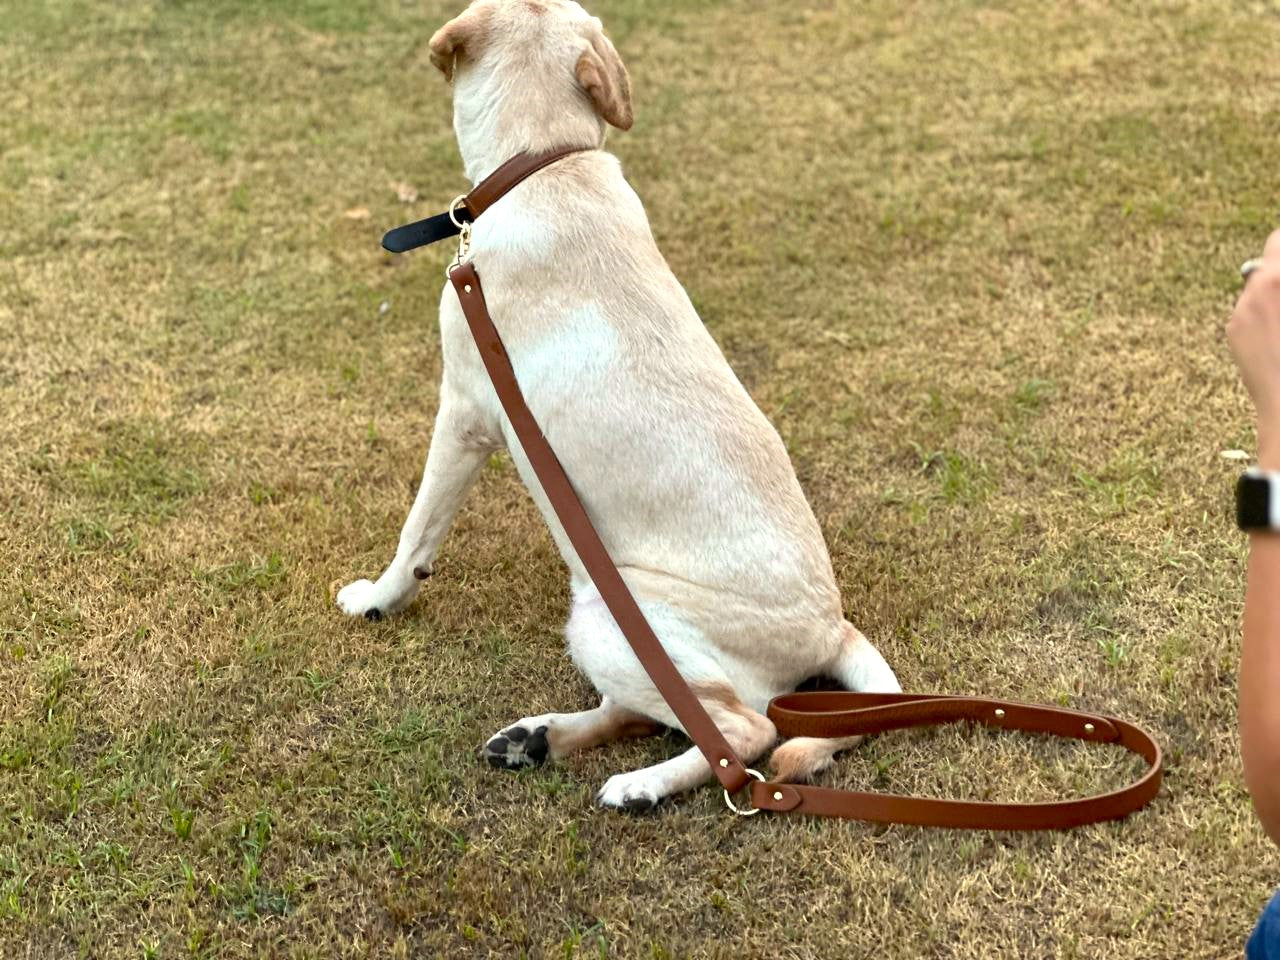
(1254, 333)
(1260, 681)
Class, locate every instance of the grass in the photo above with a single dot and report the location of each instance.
(973, 260)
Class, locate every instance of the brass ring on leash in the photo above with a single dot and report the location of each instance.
(729, 800)
(457, 201)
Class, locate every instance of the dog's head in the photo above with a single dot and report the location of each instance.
(531, 74)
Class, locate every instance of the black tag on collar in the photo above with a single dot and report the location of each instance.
(424, 232)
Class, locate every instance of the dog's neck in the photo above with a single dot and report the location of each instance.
(490, 131)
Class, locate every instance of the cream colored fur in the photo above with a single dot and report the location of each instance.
(690, 486)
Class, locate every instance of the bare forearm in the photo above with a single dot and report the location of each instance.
(1260, 681)
(1254, 335)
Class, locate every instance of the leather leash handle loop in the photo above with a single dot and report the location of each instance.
(843, 713)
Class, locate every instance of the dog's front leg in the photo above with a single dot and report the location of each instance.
(458, 451)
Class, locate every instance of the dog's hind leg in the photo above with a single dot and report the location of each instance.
(603, 654)
(858, 666)
(799, 758)
(534, 740)
(748, 732)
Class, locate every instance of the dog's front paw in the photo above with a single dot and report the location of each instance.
(633, 792)
(516, 747)
(360, 599)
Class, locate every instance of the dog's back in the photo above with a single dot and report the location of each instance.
(683, 473)
(688, 484)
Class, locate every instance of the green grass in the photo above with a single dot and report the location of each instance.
(972, 260)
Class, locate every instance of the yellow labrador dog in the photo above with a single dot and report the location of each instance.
(688, 483)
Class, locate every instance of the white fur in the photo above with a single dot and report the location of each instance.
(689, 485)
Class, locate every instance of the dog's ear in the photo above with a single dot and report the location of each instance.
(460, 35)
(602, 76)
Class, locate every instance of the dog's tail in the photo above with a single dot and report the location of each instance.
(858, 666)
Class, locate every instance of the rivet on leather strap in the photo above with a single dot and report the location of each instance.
(778, 797)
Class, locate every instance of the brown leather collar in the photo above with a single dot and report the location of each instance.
(467, 208)
(512, 173)
(821, 714)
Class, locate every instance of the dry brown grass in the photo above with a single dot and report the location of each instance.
(972, 261)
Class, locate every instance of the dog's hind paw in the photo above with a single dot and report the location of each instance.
(517, 747)
(631, 792)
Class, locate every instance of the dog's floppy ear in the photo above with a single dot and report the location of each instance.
(604, 79)
(461, 33)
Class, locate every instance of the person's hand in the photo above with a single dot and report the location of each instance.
(1254, 335)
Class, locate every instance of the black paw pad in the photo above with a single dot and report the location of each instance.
(373, 613)
(638, 804)
(421, 573)
(535, 747)
(495, 751)
(516, 747)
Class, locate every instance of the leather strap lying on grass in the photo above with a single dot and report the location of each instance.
(815, 714)
(841, 713)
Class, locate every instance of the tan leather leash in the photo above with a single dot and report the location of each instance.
(811, 714)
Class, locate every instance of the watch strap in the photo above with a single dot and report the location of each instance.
(1258, 500)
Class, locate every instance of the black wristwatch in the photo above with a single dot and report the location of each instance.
(1258, 500)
